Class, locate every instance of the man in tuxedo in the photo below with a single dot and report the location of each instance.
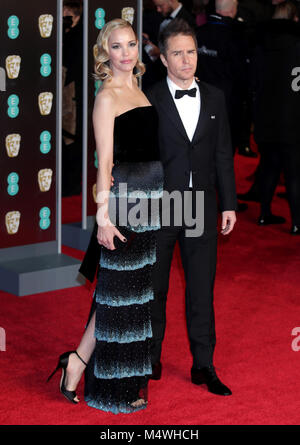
(171, 9)
(196, 153)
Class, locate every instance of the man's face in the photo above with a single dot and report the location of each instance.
(164, 7)
(181, 58)
(67, 12)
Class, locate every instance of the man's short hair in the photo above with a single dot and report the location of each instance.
(174, 28)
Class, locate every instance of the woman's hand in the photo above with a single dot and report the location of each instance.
(106, 234)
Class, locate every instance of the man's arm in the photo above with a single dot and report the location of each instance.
(225, 170)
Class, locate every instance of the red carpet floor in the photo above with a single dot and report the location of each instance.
(257, 305)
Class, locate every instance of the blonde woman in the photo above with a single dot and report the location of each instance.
(114, 350)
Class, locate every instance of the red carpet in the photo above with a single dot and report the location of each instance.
(257, 304)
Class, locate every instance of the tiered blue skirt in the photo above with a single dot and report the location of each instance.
(118, 371)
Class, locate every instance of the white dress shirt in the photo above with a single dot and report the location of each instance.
(188, 108)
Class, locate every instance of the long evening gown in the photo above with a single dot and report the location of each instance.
(118, 371)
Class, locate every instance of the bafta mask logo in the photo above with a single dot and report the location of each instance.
(45, 25)
(45, 179)
(12, 143)
(45, 103)
(12, 221)
(13, 64)
(95, 192)
(95, 51)
(128, 14)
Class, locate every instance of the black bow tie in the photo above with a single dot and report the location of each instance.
(180, 93)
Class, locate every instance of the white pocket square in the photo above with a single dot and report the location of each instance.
(212, 116)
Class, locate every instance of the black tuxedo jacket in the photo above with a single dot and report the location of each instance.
(208, 155)
(187, 16)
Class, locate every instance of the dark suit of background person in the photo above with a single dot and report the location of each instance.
(151, 23)
(222, 62)
(209, 156)
(187, 16)
(250, 12)
(277, 116)
(254, 13)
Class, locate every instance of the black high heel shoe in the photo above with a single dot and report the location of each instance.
(63, 363)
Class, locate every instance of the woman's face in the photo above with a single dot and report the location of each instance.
(122, 50)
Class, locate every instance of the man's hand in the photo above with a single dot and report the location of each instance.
(228, 221)
(154, 52)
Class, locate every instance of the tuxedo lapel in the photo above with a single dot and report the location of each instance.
(168, 107)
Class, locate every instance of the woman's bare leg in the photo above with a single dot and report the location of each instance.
(85, 349)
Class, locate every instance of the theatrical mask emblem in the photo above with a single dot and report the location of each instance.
(12, 221)
(95, 192)
(95, 51)
(13, 64)
(128, 14)
(12, 142)
(45, 103)
(45, 25)
(45, 179)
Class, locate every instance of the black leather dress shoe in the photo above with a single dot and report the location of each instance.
(264, 220)
(156, 371)
(295, 230)
(209, 377)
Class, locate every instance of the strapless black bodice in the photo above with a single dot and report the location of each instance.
(136, 136)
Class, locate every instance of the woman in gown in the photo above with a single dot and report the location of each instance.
(114, 351)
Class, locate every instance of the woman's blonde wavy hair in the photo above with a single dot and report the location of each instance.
(102, 68)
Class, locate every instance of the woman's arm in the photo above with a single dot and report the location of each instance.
(103, 121)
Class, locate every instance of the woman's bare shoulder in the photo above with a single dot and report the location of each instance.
(106, 101)
(106, 96)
